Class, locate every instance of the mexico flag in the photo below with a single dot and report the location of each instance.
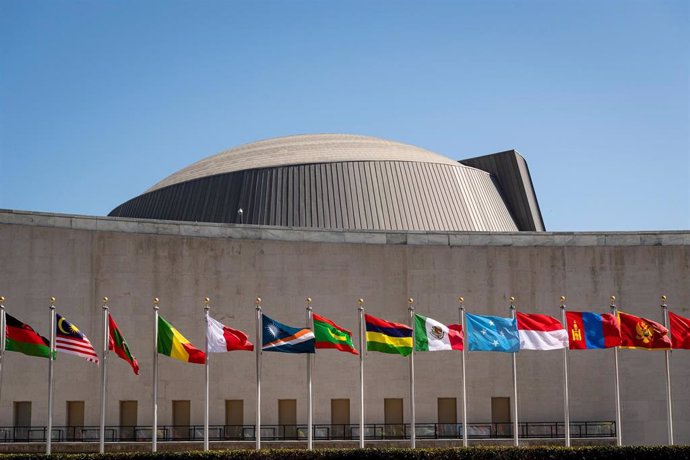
(541, 332)
(222, 338)
(430, 335)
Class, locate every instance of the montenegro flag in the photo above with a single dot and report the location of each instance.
(637, 332)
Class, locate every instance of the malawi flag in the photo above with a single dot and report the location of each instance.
(172, 343)
(680, 331)
(330, 335)
(119, 346)
(387, 336)
(637, 332)
(22, 338)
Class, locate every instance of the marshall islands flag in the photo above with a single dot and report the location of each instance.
(388, 337)
(492, 333)
(279, 337)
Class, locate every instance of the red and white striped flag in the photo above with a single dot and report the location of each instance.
(69, 339)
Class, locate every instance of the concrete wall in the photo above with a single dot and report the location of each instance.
(81, 259)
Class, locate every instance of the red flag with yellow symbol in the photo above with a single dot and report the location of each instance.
(638, 332)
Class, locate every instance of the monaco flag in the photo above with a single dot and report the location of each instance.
(541, 332)
(222, 338)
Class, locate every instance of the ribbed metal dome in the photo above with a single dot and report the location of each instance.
(329, 181)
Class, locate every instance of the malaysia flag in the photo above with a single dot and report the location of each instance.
(69, 339)
(222, 338)
(541, 332)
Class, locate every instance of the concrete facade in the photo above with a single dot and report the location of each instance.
(81, 259)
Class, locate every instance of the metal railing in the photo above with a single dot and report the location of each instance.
(299, 432)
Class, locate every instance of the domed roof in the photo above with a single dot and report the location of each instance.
(303, 149)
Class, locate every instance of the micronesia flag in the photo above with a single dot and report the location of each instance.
(492, 333)
(279, 337)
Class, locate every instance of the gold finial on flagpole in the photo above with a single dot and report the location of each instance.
(512, 302)
(105, 300)
(52, 303)
(206, 302)
(461, 300)
(156, 301)
(664, 298)
(308, 299)
(360, 301)
(613, 300)
(258, 301)
(2, 299)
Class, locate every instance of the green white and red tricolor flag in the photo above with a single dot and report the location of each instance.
(22, 338)
(119, 346)
(430, 335)
(330, 335)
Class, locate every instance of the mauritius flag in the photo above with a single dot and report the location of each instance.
(587, 330)
(22, 338)
(330, 335)
(279, 337)
(387, 336)
(172, 343)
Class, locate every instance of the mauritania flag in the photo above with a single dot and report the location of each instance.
(388, 337)
(172, 343)
(492, 333)
(430, 335)
(330, 335)
(279, 337)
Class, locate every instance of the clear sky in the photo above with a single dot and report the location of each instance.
(99, 100)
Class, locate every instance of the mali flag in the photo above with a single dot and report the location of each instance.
(637, 332)
(330, 335)
(22, 338)
(388, 337)
(172, 343)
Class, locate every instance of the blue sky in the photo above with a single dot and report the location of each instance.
(101, 99)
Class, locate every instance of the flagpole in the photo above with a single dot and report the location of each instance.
(104, 375)
(3, 337)
(516, 441)
(413, 415)
(669, 401)
(51, 378)
(259, 346)
(461, 311)
(566, 395)
(360, 309)
(619, 435)
(310, 407)
(154, 426)
(206, 309)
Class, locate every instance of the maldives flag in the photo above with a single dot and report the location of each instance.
(117, 344)
(637, 332)
(680, 331)
(587, 330)
(540, 332)
(222, 338)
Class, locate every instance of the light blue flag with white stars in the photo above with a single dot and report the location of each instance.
(492, 333)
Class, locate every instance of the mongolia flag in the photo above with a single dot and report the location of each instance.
(587, 330)
(279, 337)
(222, 338)
(388, 337)
(541, 332)
(172, 343)
(680, 331)
(637, 332)
(492, 333)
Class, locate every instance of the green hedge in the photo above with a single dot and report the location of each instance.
(471, 453)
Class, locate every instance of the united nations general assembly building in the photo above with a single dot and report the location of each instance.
(337, 218)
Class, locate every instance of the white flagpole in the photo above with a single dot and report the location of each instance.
(259, 346)
(154, 426)
(619, 434)
(566, 395)
(51, 378)
(310, 407)
(360, 309)
(516, 441)
(3, 338)
(669, 402)
(461, 311)
(413, 434)
(104, 375)
(206, 309)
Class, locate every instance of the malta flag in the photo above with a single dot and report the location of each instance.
(680, 331)
(541, 332)
(638, 332)
(222, 338)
